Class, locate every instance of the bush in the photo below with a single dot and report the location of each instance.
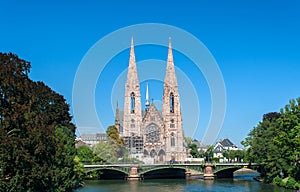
(277, 180)
(291, 183)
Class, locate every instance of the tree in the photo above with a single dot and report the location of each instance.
(65, 152)
(79, 169)
(105, 151)
(209, 154)
(226, 154)
(36, 133)
(194, 150)
(234, 155)
(274, 143)
(112, 150)
(85, 154)
(113, 135)
(188, 140)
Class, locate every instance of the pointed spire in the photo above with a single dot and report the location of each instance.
(132, 77)
(147, 97)
(170, 77)
(132, 55)
(170, 53)
(117, 118)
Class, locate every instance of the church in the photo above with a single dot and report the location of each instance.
(152, 135)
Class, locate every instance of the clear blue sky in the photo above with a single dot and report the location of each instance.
(255, 43)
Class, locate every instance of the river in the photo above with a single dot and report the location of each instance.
(240, 183)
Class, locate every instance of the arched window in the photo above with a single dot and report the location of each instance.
(172, 140)
(153, 153)
(171, 103)
(132, 102)
(146, 152)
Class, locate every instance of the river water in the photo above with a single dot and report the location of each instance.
(240, 183)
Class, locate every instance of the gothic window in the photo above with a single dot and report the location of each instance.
(161, 152)
(172, 125)
(153, 153)
(171, 103)
(152, 133)
(146, 153)
(172, 120)
(172, 140)
(132, 102)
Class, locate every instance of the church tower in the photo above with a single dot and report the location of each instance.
(132, 101)
(171, 113)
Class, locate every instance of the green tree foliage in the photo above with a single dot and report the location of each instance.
(36, 136)
(234, 155)
(85, 154)
(275, 143)
(106, 151)
(113, 135)
(193, 147)
(209, 154)
(65, 151)
(194, 150)
(79, 169)
(188, 140)
(112, 150)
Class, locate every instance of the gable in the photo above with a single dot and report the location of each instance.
(152, 115)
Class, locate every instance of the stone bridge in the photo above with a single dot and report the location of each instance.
(138, 172)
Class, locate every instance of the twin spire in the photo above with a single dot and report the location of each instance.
(170, 78)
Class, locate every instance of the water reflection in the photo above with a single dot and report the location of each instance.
(239, 183)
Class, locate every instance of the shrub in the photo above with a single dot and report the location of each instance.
(277, 180)
(291, 183)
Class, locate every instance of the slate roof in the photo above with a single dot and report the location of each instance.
(227, 143)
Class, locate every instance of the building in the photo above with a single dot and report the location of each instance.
(92, 139)
(221, 146)
(160, 132)
(80, 143)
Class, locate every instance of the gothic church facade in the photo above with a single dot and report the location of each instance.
(157, 135)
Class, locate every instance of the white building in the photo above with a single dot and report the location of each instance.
(221, 147)
(93, 139)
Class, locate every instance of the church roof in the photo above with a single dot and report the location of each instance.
(121, 114)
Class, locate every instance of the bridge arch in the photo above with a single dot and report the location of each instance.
(163, 173)
(227, 172)
(109, 173)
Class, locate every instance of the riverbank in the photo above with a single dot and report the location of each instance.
(286, 183)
